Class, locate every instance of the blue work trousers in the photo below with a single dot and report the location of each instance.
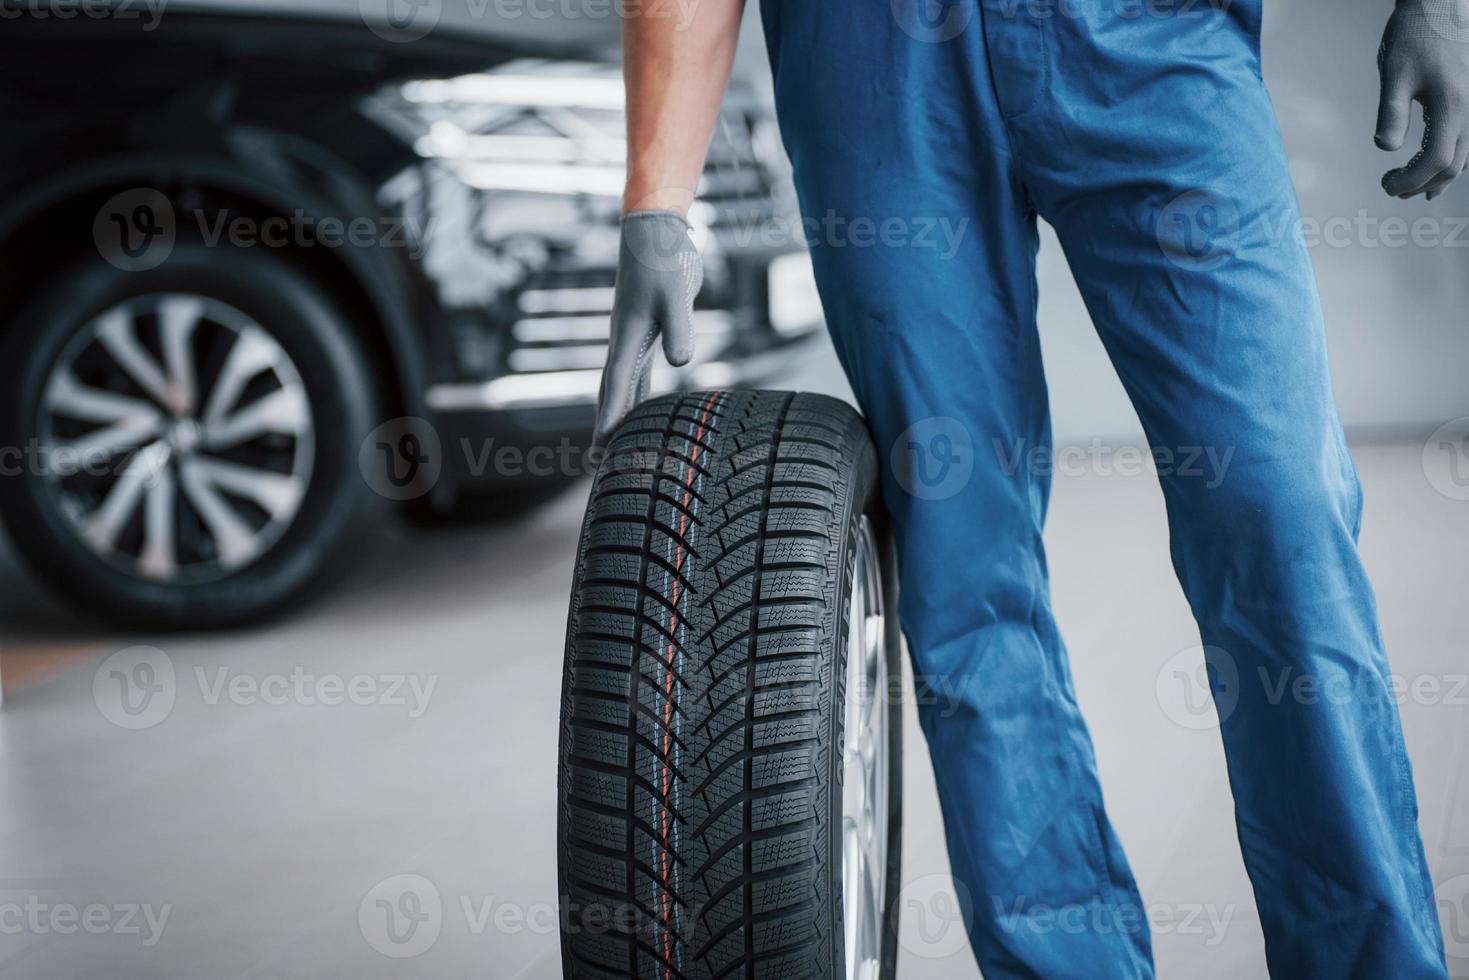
(926, 138)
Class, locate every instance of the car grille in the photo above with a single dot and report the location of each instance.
(538, 151)
(563, 319)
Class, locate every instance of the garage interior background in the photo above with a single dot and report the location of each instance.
(252, 838)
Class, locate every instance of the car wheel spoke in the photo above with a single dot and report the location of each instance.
(207, 493)
(234, 541)
(98, 448)
(159, 558)
(118, 333)
(277, 493)
(178, 319)
(253, 352)
(67, 396)
(102, 527)
(284, 411)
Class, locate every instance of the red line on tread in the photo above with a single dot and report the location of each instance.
(683, 522)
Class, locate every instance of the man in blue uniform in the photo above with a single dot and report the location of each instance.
(1142, 132)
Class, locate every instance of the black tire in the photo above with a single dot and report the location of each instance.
(701, 756)
(298, 315)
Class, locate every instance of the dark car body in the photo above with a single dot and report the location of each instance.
(480, 170)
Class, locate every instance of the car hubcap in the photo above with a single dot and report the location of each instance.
(176, 437)
(865, 765)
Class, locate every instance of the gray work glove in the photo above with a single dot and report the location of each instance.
(658, 275)
(1425, 58)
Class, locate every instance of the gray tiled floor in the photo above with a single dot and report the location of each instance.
(262, 828)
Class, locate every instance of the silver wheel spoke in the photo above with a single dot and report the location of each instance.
(233, 538)
(98, 448)
(283, 411)
(102, 527)
(192, 471)
(119, 335)
(277, 493)
(67, 396)
(252, 353)
(178, 317)
(159, 559)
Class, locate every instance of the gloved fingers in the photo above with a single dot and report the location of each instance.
(623, 378)
(1394, 107)
(678, 333)
(658, 273)
(1440, 143)
(676, 313)
(1436, 186)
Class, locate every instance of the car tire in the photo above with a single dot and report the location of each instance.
(286, 474)
(727, 699)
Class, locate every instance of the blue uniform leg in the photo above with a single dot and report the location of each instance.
(1143, 134)
(934, 321)
(1161, 167)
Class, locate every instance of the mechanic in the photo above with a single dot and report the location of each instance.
(1145, 137)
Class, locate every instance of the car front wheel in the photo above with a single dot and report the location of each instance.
(184, 438)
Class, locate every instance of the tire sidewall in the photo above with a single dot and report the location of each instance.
(294, 310)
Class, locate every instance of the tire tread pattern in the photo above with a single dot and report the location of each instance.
(698, 747)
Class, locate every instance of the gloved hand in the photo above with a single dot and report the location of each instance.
(1425, 57)
(658, 274)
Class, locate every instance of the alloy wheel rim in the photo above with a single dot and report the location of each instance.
(865, 765)
(176, 438)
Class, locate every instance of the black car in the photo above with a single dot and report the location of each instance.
(261, 272)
